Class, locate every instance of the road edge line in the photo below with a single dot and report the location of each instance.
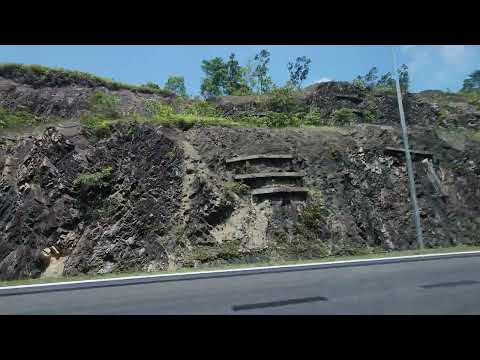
(139, 279)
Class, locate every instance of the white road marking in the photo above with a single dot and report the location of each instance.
(238, 270)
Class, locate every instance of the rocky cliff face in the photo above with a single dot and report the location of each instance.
(453, 110)
(65, 100)
(148, 198)
(331, 96)
(105, 206)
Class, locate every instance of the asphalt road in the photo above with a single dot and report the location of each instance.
(441, 286)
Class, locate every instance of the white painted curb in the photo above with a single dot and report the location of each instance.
(131, 280)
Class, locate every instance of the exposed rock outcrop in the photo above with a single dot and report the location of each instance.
(149, 198)
(65, 100)
(328, 97)
(145, 197)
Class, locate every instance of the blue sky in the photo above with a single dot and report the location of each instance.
(431, 67)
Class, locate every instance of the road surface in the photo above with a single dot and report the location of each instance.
(438, 286)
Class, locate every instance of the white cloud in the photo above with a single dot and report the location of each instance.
(421, 58)
(324, 79)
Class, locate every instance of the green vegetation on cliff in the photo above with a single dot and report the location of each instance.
(38, 75)
(369, 100)
(17, 119)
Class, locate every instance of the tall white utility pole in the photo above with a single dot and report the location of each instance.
(413, 193)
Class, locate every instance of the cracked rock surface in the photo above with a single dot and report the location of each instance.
(150, 198)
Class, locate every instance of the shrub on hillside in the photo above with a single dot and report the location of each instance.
(158, 111)
(344, 116)
(201, 108)
(98, 180)
(94, 186)
(315, 118)
(282, 100)
(9, 119)
(104, 104)
(278, 120)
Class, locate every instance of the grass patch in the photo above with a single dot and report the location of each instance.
(238, 188)
(199, 114)
(38, 75)
(444, 98)
(282, 100)
(103, 111)
(16, 120)
(384, 90)
(93, 188)
(104, 104)
(96, 128)
(203, 113)
(109, 207)
(386, 254)
(315, 118)
(315, 211)
(344, 116)
(311, 226)
(94, 179)
(226, 251)
(473, 98)
(474, 135)
(186, 121)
